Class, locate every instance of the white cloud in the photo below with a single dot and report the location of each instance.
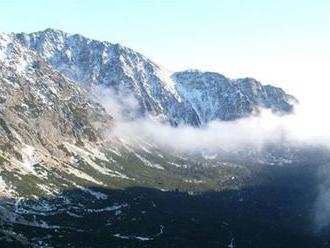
(305, 127)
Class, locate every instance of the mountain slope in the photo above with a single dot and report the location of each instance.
(158, 91)
(91, 62)
(40, 112)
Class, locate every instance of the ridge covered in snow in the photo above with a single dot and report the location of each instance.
(190, 97)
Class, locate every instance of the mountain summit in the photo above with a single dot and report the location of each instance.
(191, 97)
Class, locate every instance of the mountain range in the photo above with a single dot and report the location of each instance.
(190, 97)
(62, 175)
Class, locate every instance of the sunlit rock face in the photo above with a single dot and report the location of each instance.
(190, 97)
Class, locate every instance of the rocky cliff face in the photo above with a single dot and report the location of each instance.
(266, 96)
(189, 97)
(40, 108)
(213, 96)
(90, 62)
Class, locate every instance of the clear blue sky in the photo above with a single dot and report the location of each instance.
(277, 41)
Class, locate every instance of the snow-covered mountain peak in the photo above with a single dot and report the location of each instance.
(193, 97)
(5, 39)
